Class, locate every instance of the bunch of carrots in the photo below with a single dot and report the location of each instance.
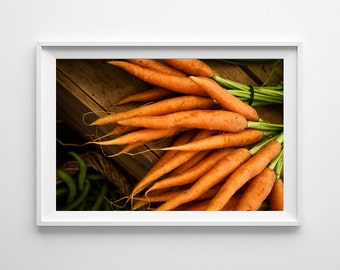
(223, 157)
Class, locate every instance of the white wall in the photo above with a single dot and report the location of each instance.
(314, 245)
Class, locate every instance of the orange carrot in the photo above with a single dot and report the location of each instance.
(154, 194)
(175, 83)
(276, 197)
(194, 67)
(225, 98)
(190, 164)
(257, 191)
(120, 130)
(167, 167)
(237, 139)
(202, 205)
(157, 65)
(159, 108)
(223, 168)
(147, 95)
(168, 195)
(251, 168)
(203, 119)
(143, 135)
(117, 130)
(184, 137)
(192, 174)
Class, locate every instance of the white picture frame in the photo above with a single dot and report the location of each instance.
(49, 52)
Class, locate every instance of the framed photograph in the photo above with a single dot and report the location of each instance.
(168, 134)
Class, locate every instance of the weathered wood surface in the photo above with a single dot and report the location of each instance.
(87, 89)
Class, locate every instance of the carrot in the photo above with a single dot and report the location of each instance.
(120, 130)
(202, 205)
(146, 95)
(225, 98)
(175, 83)
(143, 135)
(157, 65)
(167, 106)
(192, 174)
(251, 168)
(138, 203)
(194, 67)
(203, 119)
(168, 195)
(183, 137)
(116, 131)
(160, 196)
(257, 191)
(190, 164)
(222, 169)
(237, 139)
(276, 197)
(165, 168)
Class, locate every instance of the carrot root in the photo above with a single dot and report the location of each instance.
(251, 168)
(157, 65)
(192, 174)
(152, 94)
(238, 139)
(194, 67)
(181, 103)
(276, 197)
(202, 119)
(164, 168)
(226, 99)
(257, 191)
(172, 82)
(222, 169)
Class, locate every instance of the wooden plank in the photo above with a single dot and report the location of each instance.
(73, 102)
(269, 72)
(230, 71)
(103, 83)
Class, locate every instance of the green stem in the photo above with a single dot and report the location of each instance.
(277, 87)
(241, 86)
(264, 125)
(263, 95)
(272, 71)
(275, 161)
(258, 95)
(230, 83)
(279, 165)
(270, 133)
(271, 92)
(258, 146)
(280, 137)
(259, 99)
